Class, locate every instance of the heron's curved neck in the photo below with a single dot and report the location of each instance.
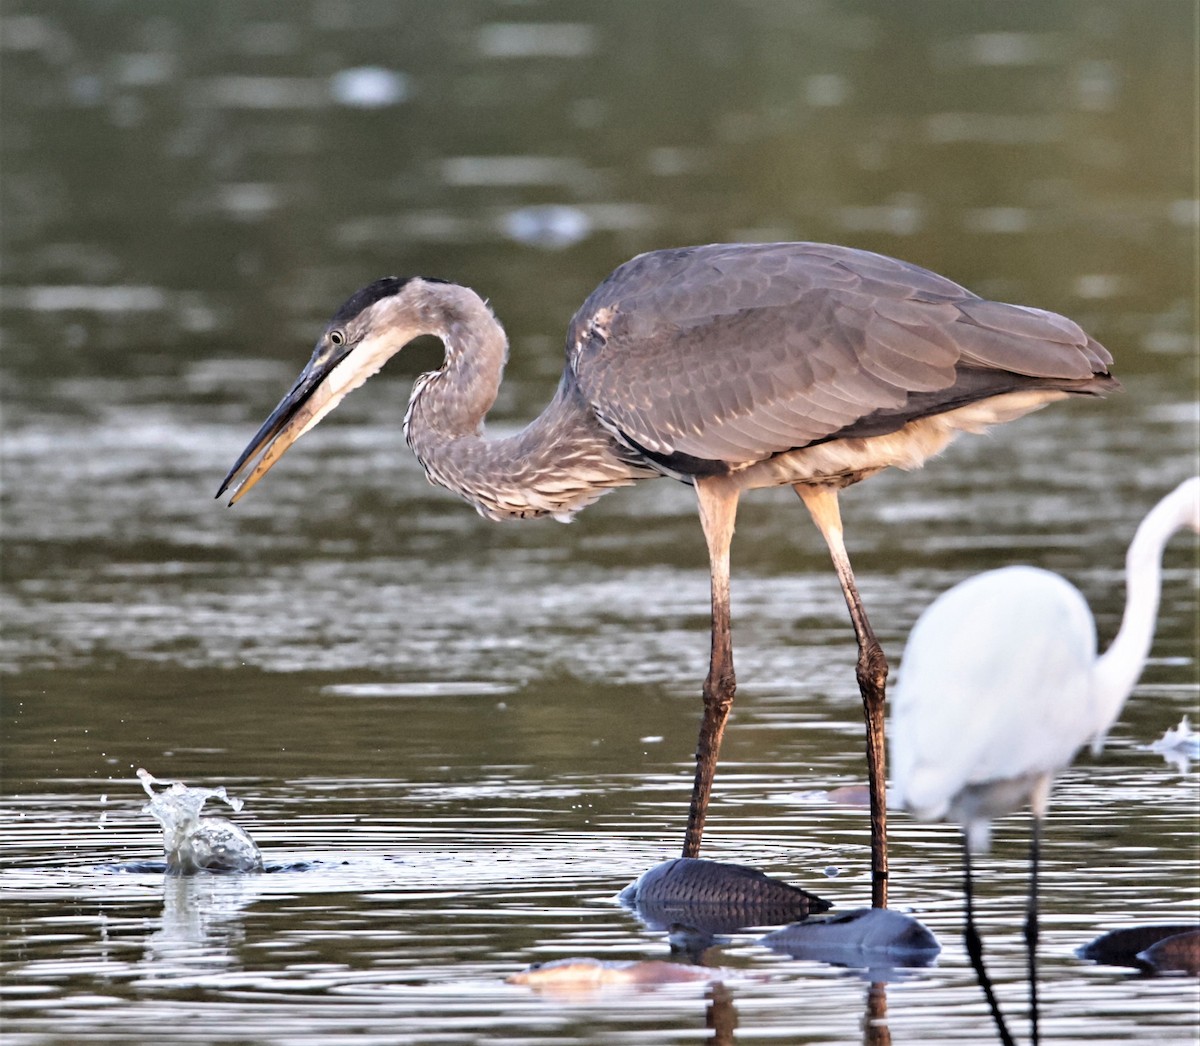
(556, 465)
(451, 403)
(1118, 668)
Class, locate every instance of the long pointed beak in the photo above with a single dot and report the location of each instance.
(305, 404)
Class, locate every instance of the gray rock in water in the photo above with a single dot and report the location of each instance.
(864, 937)
(715, 897)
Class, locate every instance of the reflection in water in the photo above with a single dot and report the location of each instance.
(549, 226)
(720, 1014)
(874, 1023)
(200, 927)
(368, 87)
(590, 981)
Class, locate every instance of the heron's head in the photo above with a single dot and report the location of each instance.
(372, 326)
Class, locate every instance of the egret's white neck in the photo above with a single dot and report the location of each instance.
(1118, 668)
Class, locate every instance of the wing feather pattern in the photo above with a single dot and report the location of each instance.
(735, 352)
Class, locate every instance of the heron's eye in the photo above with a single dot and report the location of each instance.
(337, 338)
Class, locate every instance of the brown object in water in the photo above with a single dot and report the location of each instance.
(1177, 954)
(850, 795)
(569, 974)
(1127, 945)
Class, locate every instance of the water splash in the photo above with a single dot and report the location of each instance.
(1179, 745)
(193, 843)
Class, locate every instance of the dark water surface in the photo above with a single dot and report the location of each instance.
(468, 736)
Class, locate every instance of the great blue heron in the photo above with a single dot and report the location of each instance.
(1000, 686)
(729, 367)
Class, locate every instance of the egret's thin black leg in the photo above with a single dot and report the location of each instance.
(872, 671)
(975, 950)
(1031, 925)
(718, 507)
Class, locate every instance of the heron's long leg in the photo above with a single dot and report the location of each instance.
(718, 507)
(1031, 924)
(975, 949)
(872, 673)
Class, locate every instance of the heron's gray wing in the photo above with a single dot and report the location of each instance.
(735, 352)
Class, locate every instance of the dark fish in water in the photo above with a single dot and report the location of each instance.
(715, 897)
(1179, 953)
(864, 937)
(1123, 947)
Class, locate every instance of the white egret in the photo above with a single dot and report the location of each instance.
(1000, 686)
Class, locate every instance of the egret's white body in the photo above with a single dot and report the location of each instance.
(1000, 684)
(984, 715)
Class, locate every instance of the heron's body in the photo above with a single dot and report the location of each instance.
(1000, 686)
(764, 364)
(730, 367)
